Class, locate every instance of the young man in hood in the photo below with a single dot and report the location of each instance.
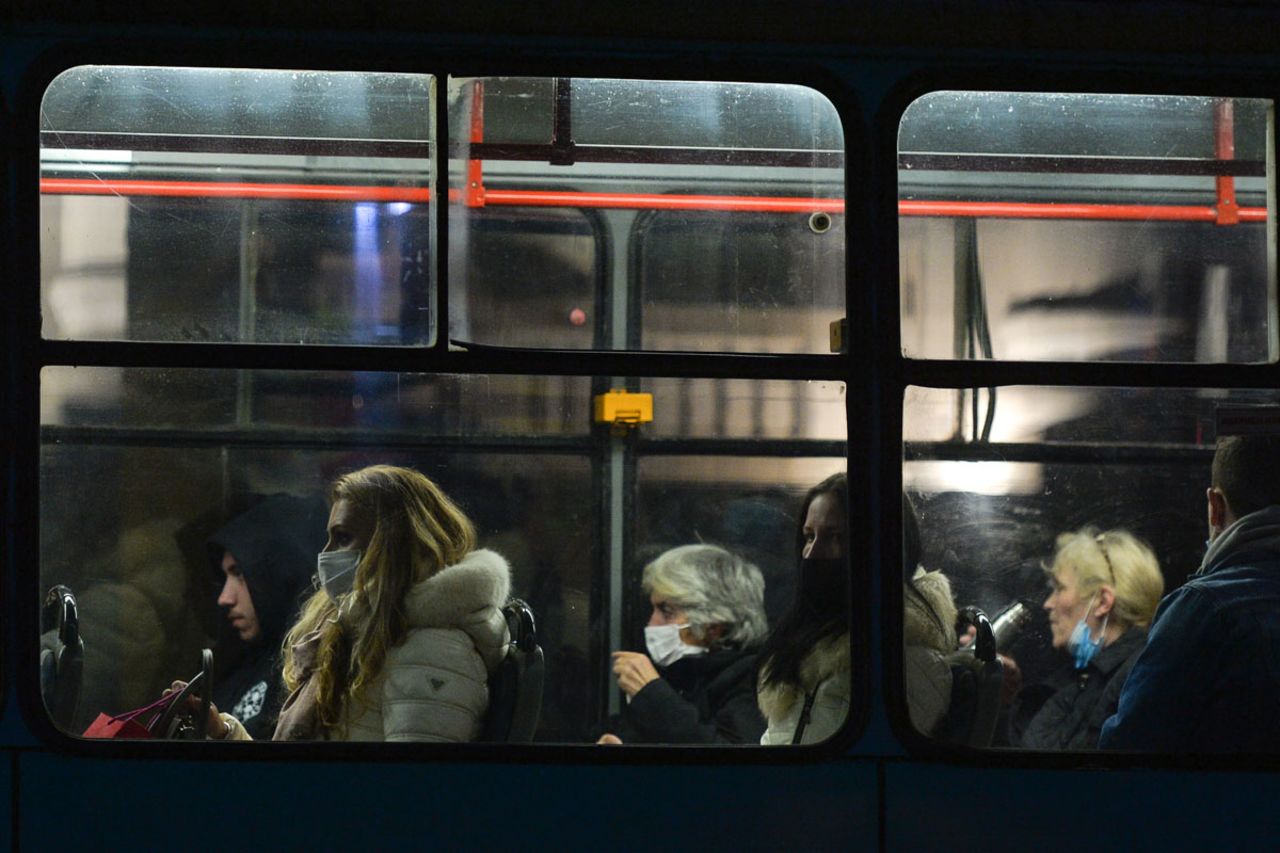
(263, 562)
(1209, 679)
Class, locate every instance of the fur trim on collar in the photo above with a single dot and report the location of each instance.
(481, 580)
(920, 627)
(828, 657)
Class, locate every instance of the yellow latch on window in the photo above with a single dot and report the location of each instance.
(623, 409)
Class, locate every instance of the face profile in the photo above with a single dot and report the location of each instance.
(349, 528)
(824, 529)
(1065, 606)
(239, 603)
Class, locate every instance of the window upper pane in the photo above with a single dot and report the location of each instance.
(711, 214)
(237, 205)
(1087, 227)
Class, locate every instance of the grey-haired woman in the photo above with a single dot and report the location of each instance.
(697, 682)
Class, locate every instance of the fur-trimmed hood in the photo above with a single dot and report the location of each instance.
(936, 630)
(469, 596)
(830, 657)
(447, 598)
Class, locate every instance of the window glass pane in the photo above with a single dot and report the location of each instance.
(1114, 461)
(192, 465)
(1086, 227)
(236, 205)
(689, 216)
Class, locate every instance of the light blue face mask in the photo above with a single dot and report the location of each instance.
(1080, 643)
(337, 571)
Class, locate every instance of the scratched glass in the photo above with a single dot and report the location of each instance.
(237, 205)
(706, 217)
(1085, 227)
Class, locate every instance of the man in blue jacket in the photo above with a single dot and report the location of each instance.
(1209, 678)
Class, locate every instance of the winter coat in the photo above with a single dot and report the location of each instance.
(275, 545)
(434, 685)
(1067, 710)
(706, 698)
(929, 635)
(824, 674)
(1209, 677)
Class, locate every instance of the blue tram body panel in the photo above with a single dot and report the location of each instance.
(884, 793)
(225, 804)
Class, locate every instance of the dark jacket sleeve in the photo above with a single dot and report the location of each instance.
(1161, 699)
(663, 716)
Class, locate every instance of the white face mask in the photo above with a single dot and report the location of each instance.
(666, 647)
(337, 571)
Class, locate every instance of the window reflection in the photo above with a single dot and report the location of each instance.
(211, 509)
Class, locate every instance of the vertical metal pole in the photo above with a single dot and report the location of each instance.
(438, 213)
(618, 480)
(1273, 316)
(961, 305)
(247, 326)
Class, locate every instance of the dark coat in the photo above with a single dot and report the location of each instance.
(1067, 710)
(1209, 678)
(708, 698)
(275, 543)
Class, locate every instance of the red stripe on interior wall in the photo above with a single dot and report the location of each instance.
(642, 201)
(214, 189)
(1035, 210)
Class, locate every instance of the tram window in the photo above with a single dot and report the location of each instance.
(722, 203)
(991, 513)
(578, 509)
(1038, 226)
(236, 205)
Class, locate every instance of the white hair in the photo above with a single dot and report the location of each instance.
(712, 587)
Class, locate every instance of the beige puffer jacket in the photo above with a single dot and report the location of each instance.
(434, 685)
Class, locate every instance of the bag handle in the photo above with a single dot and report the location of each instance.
(162, 726)
(167, 725)
(160, 705)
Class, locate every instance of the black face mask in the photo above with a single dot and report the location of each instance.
(824, 585)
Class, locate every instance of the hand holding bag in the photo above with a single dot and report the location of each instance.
(163, 718)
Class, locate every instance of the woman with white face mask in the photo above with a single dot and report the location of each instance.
(398, 642)
(1104, 590)
(697, 682)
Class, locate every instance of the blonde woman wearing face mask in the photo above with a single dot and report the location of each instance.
(399, 641)
(1104, 589)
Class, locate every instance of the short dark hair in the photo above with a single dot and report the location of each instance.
(1247, 470)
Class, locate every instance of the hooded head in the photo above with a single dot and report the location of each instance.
(263, 561)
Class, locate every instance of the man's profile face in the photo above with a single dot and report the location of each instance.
(235, 597)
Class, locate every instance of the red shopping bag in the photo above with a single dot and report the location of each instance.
(137, 723)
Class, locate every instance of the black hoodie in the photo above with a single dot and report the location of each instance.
(275, 544)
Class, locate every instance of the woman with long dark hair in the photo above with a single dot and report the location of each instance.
(803, 690)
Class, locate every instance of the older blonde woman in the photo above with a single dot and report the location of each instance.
(1104, 590)
(398, 643)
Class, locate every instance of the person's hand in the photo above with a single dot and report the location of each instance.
(967, 637)
(215, 728)
(1012, 681)
(633, 671)
(609, 740)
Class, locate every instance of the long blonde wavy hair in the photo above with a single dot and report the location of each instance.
(417, 531)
